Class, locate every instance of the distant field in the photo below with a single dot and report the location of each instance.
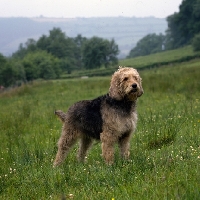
(143, 62)
(162, 58)
(165, 150)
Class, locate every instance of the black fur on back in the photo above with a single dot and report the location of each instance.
(123, 105)
(86, 115)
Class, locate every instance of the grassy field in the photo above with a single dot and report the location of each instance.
(162, 58)
(165, 150)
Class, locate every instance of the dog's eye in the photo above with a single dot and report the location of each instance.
(125, 79)
(136, 78)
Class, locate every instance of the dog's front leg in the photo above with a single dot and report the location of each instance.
(107, 146)
(108, 152)
(124, 145)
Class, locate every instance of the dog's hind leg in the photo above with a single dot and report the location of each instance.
(85, 144)
(66, 141)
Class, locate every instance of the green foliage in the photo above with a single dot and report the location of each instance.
(78, 51)
(74, 53)
(2, 60)
(57, 44)
(164, 162)
(11, 72)
(149, 44)
(98, 52)
(2, 67)
(30, 46)
(184, 25)
(196, 42)
(7, 75)
(143, 62)
(41, 65)
(56, 53)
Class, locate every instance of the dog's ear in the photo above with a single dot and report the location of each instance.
(114, 91)
(141, 91)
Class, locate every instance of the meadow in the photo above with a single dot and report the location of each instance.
(165, 149)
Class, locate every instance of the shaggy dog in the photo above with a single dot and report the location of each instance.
(110, 118)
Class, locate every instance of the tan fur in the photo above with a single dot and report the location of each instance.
(117, 113)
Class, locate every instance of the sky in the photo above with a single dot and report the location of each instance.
(88, 8)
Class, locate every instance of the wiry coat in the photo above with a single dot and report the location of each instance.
(110, 118)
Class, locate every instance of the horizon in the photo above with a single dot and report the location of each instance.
(88, 8)
(49, 17)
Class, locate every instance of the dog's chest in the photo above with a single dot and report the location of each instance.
(118, 120)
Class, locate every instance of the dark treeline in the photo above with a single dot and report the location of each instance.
(52, 55)
(183, 29)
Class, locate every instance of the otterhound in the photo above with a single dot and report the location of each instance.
(110, 118)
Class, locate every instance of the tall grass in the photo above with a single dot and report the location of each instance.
(165, 150)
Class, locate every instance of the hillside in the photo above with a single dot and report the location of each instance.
(125, 30)
(157, 60)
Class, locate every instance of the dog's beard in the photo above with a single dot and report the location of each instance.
(132, 96)
(133, 93)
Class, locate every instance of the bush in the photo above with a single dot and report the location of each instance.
(196, 42)
(41, 64)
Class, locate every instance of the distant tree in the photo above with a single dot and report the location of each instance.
(79, 43)
(111, 54)
(196, 42)
(43, 43)
(57, 43)
(98, 52)
(7, 75)
(68, 54)
(18, 69)
(2, 60)
(65, 65)
(11, 71)
(20, 53)
(41, 65)
(149, 44)
(61, 46)
(184, 25)
(30, 46)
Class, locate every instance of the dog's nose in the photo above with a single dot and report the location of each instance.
(134, 85)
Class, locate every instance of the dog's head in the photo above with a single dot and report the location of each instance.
(126, 83)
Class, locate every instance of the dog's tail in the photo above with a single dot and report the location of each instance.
(60, 114)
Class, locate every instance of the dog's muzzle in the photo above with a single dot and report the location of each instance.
(135, 89)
